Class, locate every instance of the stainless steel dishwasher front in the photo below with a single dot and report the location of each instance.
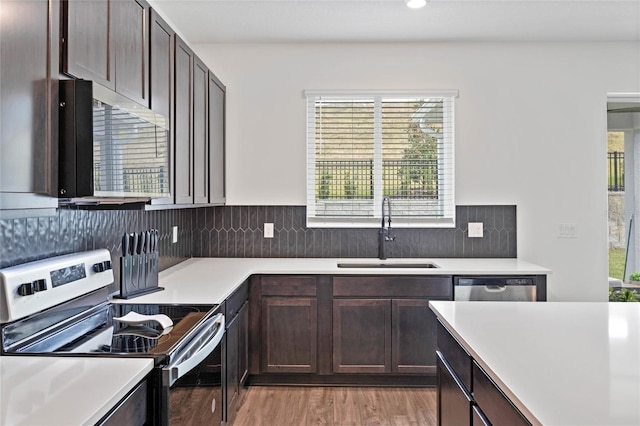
(494, 288)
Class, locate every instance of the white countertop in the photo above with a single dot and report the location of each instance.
(212, 280)
(64, 390)
(561, 363)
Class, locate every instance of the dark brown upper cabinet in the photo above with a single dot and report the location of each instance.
(29, 34)
(107, 42)
(127, 47)
(200, 132)
(192, 139)
(161, 83)
(183, 129)
(130, 25)
(217, 184)
(87, 41)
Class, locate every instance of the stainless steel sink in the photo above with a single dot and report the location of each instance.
(382, 264)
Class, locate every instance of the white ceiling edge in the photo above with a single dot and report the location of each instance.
(379, 21)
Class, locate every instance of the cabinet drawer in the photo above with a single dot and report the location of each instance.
(459, 360)
(236, 300)
(393, 286)
(454, 402)
(289, 285)
(497, 408)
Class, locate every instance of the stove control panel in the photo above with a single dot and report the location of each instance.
(102, 266)
(32, 287)
(27, 289)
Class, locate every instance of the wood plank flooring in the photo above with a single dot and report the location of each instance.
(337, 406)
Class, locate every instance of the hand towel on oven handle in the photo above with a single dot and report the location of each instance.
(139, 264)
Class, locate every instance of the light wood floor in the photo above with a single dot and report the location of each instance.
(306, 406)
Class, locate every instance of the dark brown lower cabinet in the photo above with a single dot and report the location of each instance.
(496, 407)
(413, 331)
(395, 336)
(289, 335)
(478, 418)
(344, 329)
(243, 344)
(466, 395)
(236, 360)
(362, 336)
(232, 385)
(454, 402)
(383, 324)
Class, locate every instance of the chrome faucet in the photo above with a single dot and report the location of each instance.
(385, 232)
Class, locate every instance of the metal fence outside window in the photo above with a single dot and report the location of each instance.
(615, 170)
(353, 179)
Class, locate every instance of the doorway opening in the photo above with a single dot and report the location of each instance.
(623, 184)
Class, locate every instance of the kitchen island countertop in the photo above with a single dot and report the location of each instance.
(212, 280)
(65, 390)
(560, 363)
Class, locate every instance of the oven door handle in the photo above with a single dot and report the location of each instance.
(196, 351)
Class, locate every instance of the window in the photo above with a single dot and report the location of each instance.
(362, 147)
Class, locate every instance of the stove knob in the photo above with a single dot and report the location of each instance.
(39, 285)
(98, 267)
(107, 264)
(26, 289)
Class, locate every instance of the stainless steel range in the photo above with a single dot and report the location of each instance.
(60, 307)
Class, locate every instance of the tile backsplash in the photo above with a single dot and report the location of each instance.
(237, 231)
(72, 230)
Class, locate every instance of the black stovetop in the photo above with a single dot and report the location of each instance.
(88, 330)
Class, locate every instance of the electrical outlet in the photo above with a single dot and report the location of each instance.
(174, 237)
(567, 230)
(476, 230)
(268, 230)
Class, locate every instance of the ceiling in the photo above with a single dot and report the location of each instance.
(284, 21)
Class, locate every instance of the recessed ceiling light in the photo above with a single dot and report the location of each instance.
(415, 4)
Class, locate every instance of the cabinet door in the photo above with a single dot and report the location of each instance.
(28, 104)
(200, 132)
(161, 83)
(231, 367)
(243, 344)
(454, 404)
(88, 45)
(362, 336)
(183, 130)
(130, 32)
(413, 337)
(289, 335)
(217, 188)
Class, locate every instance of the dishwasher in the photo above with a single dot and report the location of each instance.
(494, 288)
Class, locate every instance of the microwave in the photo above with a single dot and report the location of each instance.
(111, 149)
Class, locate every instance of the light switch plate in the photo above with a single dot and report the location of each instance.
(174, 235)
(268, 230)
(476, 230)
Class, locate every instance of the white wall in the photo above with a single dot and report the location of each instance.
(531, 130)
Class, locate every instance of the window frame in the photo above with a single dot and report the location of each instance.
(447, 220)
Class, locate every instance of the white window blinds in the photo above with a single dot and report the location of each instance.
(364, 146)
